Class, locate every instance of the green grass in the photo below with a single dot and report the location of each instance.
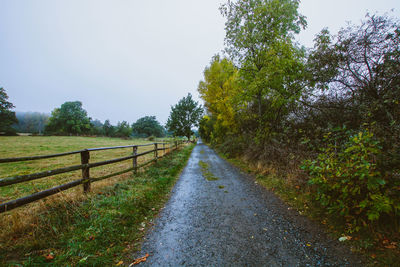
(103, 229)
(205, 170)
(20, 146)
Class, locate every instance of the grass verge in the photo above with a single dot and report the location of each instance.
(380, 250)
(104, 227)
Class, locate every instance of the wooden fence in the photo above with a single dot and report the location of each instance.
(85, 166)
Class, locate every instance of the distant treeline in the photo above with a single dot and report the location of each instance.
(31, 122)
(72, 119)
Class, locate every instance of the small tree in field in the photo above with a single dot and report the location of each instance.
(184, 115)
(7, 117)
(70, 118)
(148, 126)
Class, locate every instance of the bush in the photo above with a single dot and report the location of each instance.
(348, 182)
(151, 138)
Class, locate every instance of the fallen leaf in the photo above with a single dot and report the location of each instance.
(139, 260)
(49, 257)
(391, 246)
(119, 263)
(308, 245)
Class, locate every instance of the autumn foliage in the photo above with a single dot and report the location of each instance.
(333, 109)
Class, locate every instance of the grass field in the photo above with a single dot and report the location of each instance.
(22, 223)
(101, 228)
(20, 146)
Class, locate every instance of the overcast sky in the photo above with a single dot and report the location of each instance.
(125, 59)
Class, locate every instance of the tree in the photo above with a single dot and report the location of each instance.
(123, 129)
(184, 115)
(206, 129)
(70, 119)
(259, 38)
(220, 92)
(357, 74)
(108, 129)
(7, 117)
(148, 126)
(96, 127)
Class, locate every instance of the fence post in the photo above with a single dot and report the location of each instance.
(85, 156)
(176, 145)
(134, 160)
(163, 149)
(155, 151)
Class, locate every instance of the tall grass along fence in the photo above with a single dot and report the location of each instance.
(85, 166)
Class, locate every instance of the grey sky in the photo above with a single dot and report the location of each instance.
(125, 59)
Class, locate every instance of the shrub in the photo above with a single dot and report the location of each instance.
(349, 183)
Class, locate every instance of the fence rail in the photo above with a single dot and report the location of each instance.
(85, 166)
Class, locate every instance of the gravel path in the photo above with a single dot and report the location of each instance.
(234, 222)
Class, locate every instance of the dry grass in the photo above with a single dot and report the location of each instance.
(34, 146)
(19, 225)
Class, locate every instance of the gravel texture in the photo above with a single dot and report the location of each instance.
(233, 221)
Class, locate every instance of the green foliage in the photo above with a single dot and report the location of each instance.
(259, 38)
(7, 117)
(184, 115)
(96, 128)
(123, 129)
(148, 126)
(206, 128)
(254, 26)
(348, 182)
(108, 129)
(69, 119)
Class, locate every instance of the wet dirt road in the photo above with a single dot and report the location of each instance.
(234, 222)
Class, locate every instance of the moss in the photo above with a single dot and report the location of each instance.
(207, 174)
